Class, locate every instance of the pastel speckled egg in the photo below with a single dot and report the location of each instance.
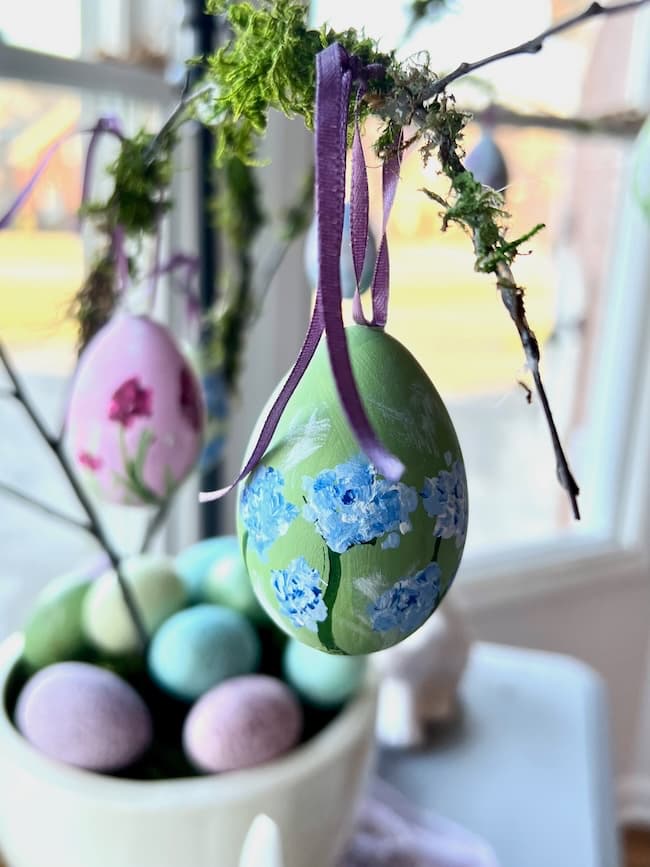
(242, 723)
(322, 679)
(136, 414)
(157, 591)
(341, 558)
(214, 571)
(198, 648)
(84, 716)
(53, 632)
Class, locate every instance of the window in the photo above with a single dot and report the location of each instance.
(452, 318)
(43, 256)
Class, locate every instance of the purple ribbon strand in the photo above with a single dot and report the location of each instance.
(334, 74)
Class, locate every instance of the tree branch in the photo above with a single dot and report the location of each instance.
(532, 46)
(94, 526)
(622, 124)
(10, 491)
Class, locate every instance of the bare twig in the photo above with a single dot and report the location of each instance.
(512, 296)
(622, 124)
(94, 526)
(10, 491)
(532, 46)
(186, 100)
(154, 526)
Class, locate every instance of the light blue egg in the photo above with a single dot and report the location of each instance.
(348, 282)
(193, 563)
(322, 679)
(200, 647)
(214, 571)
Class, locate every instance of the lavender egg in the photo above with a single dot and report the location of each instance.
(84, 716)
(241, 723)
(136, 414)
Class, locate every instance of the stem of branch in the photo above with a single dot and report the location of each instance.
(186, 100)
(94, 526)
(624, 124)
(532, 46)
(10, 491)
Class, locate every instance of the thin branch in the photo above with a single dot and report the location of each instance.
(154, 526)
(622, 124)
(512, 296)
(10, 491)
(532, 46)
(94, 524)
(186, 100)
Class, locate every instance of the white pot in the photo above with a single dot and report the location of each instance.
(52, 815)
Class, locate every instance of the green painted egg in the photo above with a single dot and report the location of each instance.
(53, 632)
(341, 558)
(157, 591)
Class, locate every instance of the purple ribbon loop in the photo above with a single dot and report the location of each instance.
(359, 229)
(334, 74)
(108, 124)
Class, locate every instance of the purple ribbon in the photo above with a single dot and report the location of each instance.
(335, 71)
(359, 225)
(107, 124)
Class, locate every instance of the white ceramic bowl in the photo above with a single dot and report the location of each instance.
(52, 815)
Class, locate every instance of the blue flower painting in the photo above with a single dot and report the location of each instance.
(298, 591)
(350, 505)
(407, 604)
(263, 509)
(445, 498)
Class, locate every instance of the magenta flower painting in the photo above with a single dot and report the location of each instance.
(136, 416)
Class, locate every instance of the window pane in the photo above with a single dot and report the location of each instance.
(42, 264)
(452, 318)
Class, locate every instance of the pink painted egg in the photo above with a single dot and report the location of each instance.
(242, 722)
(136, 414)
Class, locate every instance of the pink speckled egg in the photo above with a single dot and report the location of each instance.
(136, 414)
(84, 716)
(243, 722)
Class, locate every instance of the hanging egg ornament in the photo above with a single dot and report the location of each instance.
(348, 280)
(136, 415)
(341, 558)
(487, 163)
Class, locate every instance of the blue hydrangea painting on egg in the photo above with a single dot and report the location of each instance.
(350, 505)
(445, 498)
(263, 509)
(298, 591)
(407, 604)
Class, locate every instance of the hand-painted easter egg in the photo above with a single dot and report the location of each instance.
(214, 571)
(84, 716)
(487, 163)
(242, 723)
(135, 417)
(54, 632)
(341, 558)
(198, 648)
(157, 591)
(322, 679)
(348, 280)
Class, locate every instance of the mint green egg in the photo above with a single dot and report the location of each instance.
(54, 632)
(157, 591)
(322, 679)
(339, 557)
